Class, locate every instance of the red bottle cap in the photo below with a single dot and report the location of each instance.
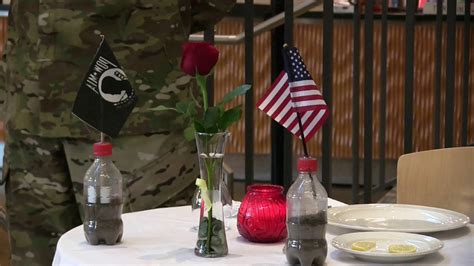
(306, 164)
(102, 149)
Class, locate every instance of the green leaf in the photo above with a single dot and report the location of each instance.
(187, 108)
(198, 126)
(211, 117)
(182, 107)
(189, 133)
(192, 111)
(163, 108)
(234, 93)
(229, 117)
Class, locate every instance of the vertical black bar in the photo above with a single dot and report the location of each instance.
(287, 136)
(209, 34)
(437, 92)
(465, 94)
(328, 14)
(355, 104)
(289, 22)
(249, 105)
(383, 94)
(450, 70)
(368, 92)
(277, 131)
(209, 37)
(409, 74)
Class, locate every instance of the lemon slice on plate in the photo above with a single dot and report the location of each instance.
(363, 245)
(402, 248)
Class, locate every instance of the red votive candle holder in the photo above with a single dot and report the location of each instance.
(262, 214)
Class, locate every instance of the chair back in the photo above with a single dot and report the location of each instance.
(441, 178)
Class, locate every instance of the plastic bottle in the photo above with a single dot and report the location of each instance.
(306, 217)
(103, 198)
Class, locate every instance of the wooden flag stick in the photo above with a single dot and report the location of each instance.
(305, 148)
(102, 38)
(300, 123)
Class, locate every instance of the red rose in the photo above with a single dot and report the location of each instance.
(200, 56)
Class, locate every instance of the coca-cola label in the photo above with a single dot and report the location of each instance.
(105, 194)
(91, 195)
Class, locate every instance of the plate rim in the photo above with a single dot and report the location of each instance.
(464, 222)
(388, 255)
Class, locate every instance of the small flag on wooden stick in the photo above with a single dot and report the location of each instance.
(105, 98)
(294, 93)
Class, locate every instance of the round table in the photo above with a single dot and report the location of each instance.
(164, 237)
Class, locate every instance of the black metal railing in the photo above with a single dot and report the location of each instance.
(355, 104)
(466, 70)
(368, 93)
(437, 103)
(383, 95)
(327, 91)
(450, 68)
(249, 101)
(281, 140)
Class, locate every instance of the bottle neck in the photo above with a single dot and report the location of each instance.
(306, 173)
(103, 158)
(308, 176)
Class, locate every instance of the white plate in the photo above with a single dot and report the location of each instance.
(395, 217)
(424, 245)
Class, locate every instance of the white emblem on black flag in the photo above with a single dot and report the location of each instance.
(105, 98)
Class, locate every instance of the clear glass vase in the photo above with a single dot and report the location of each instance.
(196, 206)
(212, 241)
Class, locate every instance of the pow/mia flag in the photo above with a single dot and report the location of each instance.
(105, 98)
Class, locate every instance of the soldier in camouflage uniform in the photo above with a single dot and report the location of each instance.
(49, 49)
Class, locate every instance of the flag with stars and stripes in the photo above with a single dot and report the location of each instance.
(295, 91)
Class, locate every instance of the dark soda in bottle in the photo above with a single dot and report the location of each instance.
(306, 217)
(103, 199)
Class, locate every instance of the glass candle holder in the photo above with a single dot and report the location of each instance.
(262, 214)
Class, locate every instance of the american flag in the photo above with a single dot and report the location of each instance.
(295, 91)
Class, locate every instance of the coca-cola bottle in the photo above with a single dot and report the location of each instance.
(103, 199)
(306, 217)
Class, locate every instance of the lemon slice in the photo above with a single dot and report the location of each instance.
(402, 248)
(363, 245)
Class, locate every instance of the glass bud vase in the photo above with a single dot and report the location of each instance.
(212, 241)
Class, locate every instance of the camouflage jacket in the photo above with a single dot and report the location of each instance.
(52, 42)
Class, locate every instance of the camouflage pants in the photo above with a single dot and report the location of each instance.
(44, 184)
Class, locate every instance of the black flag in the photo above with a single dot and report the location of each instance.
(105, 98)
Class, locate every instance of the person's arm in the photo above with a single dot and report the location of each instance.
(208, 12)
(3, 63)
(3, 72)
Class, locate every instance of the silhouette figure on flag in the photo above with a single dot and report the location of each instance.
(105, 98)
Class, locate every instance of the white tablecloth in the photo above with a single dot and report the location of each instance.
(163, 237)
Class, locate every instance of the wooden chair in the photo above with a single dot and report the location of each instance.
(441, 178)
